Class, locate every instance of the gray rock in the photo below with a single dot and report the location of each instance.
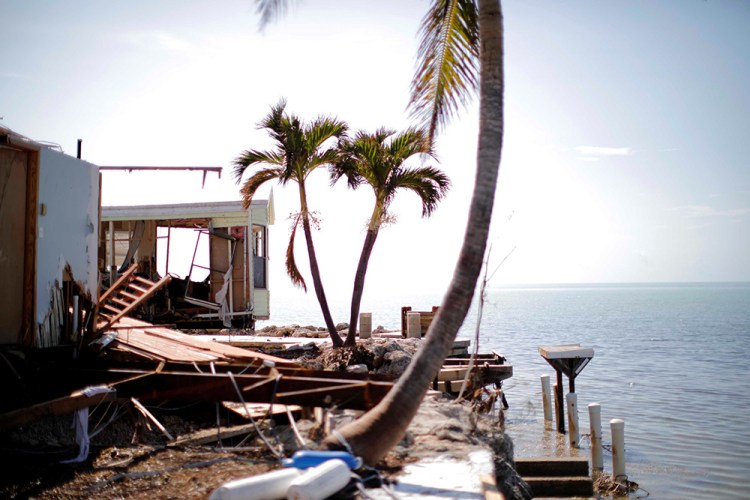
(361, 368)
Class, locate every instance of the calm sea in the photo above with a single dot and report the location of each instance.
(671, 360)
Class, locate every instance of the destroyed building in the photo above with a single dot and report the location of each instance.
(49, 212)
(224, 252)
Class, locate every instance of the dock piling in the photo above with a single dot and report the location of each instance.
(595, 423)
(559, 411)
(365, 325)
(547, 398)
(574, 434)
(413, 325)
(617, 427)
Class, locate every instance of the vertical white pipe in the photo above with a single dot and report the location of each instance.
(595, 421)
(365, 325)
(618, 448)
(574, 435)
(413, 325)
(547, 398)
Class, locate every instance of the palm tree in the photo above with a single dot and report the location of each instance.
(455, 34)
(300, 149)
(375, 160)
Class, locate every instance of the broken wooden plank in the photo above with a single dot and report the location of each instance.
(151, 417)
(485, 372)
(260, 410)
(212, 435)
(60, 406)
(353, 394)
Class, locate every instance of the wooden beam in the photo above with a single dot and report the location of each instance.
(61, 406)
(28, 324)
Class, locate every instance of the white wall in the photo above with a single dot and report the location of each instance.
(68, 232)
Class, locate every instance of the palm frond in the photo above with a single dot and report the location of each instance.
(409, 143)
(322, 129)
(252, 184)
(254, 157)
(270, 11)
(291, 265)
(447, 63)
(345, 165)
(429, 183)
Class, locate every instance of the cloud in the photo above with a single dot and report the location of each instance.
(700, 211)
(11, 75)
(599, 151)
(159, 40)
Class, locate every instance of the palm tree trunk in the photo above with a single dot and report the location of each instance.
(359, 285)
(315, 270)
(381, 428)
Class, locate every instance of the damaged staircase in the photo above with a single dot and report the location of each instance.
(125, 296)
(556, 477)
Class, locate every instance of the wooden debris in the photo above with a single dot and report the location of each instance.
(213, 435)
(148, 415)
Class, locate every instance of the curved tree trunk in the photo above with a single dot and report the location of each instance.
(315, 270)
(373, 228)
(359, 285)
(376, 432)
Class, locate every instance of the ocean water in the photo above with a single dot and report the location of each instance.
(671, 360)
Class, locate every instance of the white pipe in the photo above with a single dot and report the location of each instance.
(365, 325)
(320, 482)
(574, 433)
(268, 486)
(595, 421)
(618, 448)
(547, 398)
(413, 325)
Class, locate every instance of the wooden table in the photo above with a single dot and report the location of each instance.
(569, 359)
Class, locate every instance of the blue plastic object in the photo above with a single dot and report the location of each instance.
(304, 459)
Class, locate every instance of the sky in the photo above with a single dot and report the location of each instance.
(626, 127)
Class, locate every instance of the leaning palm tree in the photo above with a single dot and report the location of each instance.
(459, 39)
(300, 149)
(378, 160)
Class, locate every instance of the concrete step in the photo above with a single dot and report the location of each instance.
(552, 466)
(560, 486)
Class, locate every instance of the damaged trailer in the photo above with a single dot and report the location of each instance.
(216, 254)
(49, 208)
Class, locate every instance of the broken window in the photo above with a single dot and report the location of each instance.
(259, 256)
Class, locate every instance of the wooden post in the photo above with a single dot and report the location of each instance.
(617, 427)
(413, 325)
(595, 421)
(558, 417)
(574, 435)
(112, 260)
(546, 398)
(560, 403)
(76, 313)
(365, 325)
